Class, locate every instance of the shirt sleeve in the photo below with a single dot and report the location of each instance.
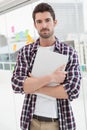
(73, 79)
(20, 72)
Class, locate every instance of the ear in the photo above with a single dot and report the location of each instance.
(55, 22)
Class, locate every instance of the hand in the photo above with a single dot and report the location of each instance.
(58, 76)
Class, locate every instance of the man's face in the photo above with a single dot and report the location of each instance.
(44, 24)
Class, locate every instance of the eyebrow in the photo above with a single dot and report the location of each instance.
(38, 20)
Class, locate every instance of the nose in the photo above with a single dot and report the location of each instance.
(44, 24)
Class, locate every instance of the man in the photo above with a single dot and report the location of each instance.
(41, 113)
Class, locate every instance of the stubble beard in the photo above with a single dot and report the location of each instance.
(46, 35)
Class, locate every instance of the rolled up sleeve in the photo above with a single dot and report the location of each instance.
(20, 73)
(73, 80)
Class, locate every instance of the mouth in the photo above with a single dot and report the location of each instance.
(43, 30)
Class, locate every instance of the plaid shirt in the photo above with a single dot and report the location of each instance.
(24, 65)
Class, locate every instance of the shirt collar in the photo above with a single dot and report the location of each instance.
(57, 46)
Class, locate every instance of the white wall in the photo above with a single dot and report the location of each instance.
(10, 103)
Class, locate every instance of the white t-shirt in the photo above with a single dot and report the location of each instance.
(46, 106)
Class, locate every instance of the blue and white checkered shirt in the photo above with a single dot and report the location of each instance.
(24, 65)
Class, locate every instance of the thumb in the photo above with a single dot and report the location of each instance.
(61, 68)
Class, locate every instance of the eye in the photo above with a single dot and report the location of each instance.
(38, 21)
(48, 20)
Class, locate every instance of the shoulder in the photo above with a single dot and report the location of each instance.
(67, 49)
(26, 48)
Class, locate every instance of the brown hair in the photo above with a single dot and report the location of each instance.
(42, 7)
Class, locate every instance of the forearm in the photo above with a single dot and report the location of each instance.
(56, 91)
(32, 84)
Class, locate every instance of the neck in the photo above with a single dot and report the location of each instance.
(47, 42)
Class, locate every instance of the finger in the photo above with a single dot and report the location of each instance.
(65, 72)
(30, 74)
(61, 67)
